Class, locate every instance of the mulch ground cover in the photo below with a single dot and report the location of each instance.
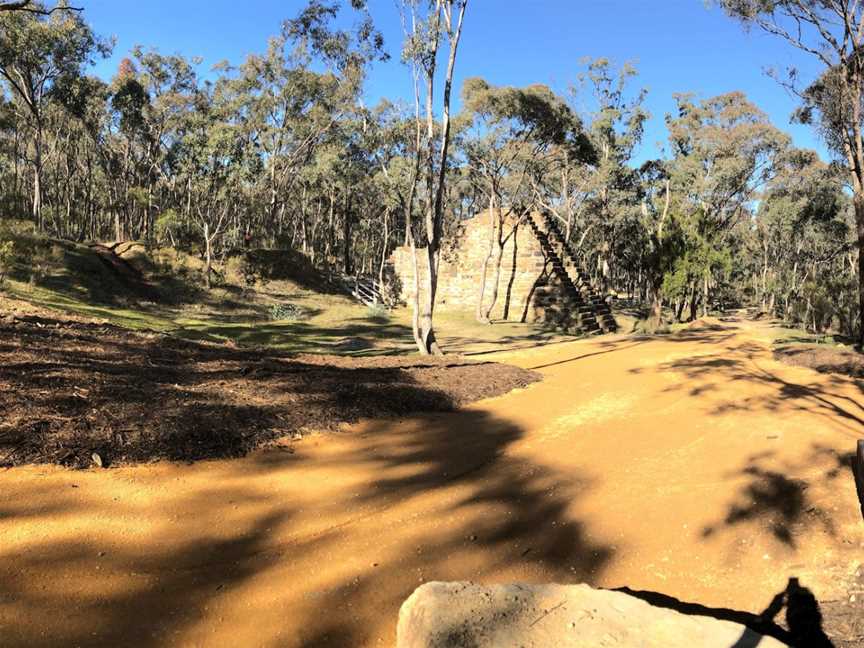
(77, 393)
(824, 359)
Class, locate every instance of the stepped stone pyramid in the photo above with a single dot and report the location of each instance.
(540, 279)
(567, 295)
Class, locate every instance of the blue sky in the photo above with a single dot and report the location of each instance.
(677, 46)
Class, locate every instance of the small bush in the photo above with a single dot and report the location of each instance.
(286, 312)
(7, 255)
(240, 268)
(650, 326)
(41, 261)
(378, 312)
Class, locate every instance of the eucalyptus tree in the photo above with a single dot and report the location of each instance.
(297, 92)
(39, 52)
(799, 253)
(604, 198)
(74, 181)
(210, 154)
(518, 138)
(431, 20)
(832, 32)
(288, 109)
(35, 7)
(151, 94)
(658, 249)
(724, 152)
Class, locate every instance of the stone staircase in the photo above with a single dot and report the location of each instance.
(569, 299)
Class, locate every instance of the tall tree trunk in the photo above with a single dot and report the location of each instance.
(37, 180)
(427, 332)
(434, 211)
(694, 301)
(384, 246)
(764, 274)
(346, 235)
(858, 201)
(415, 297)
(479, 312)
(565, 197)
(656, 316)
(331, 227)
(207, 255)
(497, 255)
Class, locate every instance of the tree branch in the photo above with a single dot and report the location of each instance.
(29, 7)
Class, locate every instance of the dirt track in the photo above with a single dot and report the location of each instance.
(693, 465)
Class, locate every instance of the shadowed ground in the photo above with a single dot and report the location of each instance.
(691, 467)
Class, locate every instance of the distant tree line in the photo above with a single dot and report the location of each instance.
(281, 150)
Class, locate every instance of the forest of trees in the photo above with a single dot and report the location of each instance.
(282, 148)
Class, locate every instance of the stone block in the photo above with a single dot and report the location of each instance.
(466, 615)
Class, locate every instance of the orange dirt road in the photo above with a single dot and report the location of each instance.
(692, 465)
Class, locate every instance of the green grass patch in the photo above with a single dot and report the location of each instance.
(67, 277)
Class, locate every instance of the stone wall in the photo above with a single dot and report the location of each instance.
(522, 263)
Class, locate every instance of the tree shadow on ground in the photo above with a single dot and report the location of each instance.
(708, 335)
(509, 513)
(468, 345)
(739, 363)
(300, 336)
(174, 581)
(824, 359)
(483, 513)
(769, 496)
(783, 504)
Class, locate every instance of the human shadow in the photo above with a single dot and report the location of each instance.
(803, 625)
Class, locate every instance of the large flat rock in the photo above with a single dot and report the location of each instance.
(466, 615)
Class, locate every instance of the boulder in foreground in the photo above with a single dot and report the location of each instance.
(463, 615)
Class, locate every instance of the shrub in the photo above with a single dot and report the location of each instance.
(41, 260)
(286, 312)
(378, 312)
(649, 326)
(7, 254)
(240, 267)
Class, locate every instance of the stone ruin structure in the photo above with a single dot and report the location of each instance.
(541, 280)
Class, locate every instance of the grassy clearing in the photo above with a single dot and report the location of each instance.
(329, 324)
(785, 335)
(65, 277)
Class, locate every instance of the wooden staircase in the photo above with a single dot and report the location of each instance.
(365, 289)
(584, 307)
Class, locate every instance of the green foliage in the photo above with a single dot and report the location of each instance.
(286, 312)
(378, 312)
(280, 152)
(534, 114)
(7, 254)
(259, 266)
(172, 228)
